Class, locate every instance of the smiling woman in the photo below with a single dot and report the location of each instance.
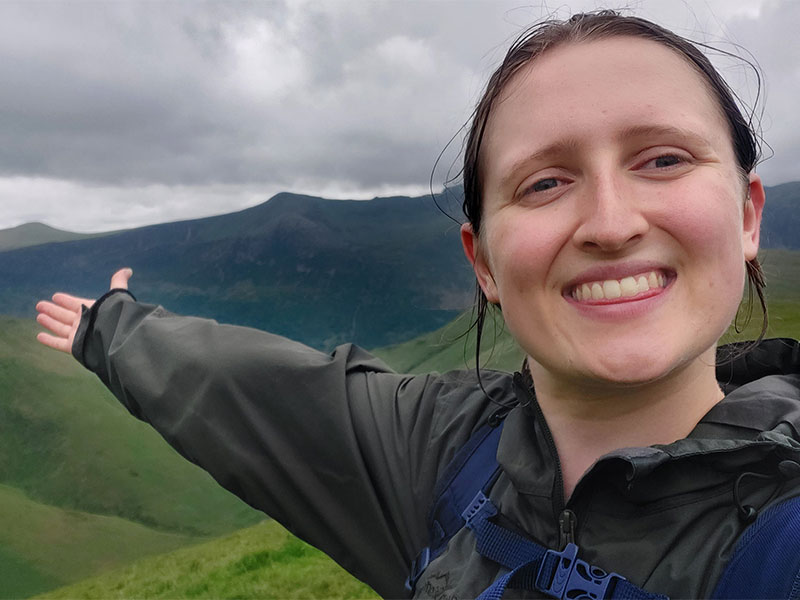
(640, 185)
(613, 216)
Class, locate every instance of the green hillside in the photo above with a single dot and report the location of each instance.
(42, 547)
(65, 441)
(263, 561)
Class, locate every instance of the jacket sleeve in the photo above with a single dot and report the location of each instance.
(332, 446)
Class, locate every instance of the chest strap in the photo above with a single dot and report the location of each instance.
(533, 567)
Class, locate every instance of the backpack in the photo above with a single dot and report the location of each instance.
(765, 562)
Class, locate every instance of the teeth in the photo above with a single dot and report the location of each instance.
(611, 289)
(628, 286)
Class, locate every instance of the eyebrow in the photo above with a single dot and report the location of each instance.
(571, 144)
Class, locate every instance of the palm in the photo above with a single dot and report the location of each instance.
(62, 316)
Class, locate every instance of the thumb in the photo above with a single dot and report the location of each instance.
(120, 278)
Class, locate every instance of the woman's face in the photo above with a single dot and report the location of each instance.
(615, 223)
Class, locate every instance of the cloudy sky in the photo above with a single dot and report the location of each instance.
(121, 113)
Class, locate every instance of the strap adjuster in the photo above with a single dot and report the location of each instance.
(480, 509)
(563, 575)
(418, 565)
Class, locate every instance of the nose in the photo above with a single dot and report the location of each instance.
(611, 217)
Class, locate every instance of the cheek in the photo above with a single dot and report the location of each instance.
(709, 231)
(522, 249)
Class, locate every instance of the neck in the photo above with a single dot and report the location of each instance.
(588, 420)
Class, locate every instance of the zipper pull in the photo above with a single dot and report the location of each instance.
(567, 522)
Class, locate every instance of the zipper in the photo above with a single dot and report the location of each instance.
(566, 528)
(567, 521)
(559, 503)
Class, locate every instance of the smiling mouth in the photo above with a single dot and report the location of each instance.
(633, 287)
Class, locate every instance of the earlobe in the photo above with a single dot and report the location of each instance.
(480, 265)
(751, 218)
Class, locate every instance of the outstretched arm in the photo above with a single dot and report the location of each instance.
(335, 446)
(63, 314)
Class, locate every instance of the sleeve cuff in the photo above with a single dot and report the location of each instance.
(88, 316)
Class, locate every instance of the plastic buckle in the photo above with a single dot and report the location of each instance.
(418, 566)
(573, 579)
(481, 508)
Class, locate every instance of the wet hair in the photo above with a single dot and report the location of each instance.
(583, 27)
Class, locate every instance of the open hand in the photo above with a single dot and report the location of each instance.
(62, 315)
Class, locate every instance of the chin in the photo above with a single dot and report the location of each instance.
(632, 369)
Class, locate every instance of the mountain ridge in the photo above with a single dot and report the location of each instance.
(323, 272)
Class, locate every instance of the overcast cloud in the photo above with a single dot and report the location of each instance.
(118, 114)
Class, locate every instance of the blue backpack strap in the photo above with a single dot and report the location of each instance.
(531, 566)
(474, 466)
(766, 560)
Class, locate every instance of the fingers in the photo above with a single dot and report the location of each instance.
(60, 320)
(71, 303)
(120, 278)
(62, 315)
(58, 312)
(59, 343)
(58, 327)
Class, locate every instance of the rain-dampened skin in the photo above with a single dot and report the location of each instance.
(613, 155)
(604, 160)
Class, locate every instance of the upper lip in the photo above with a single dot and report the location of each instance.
(615, 271)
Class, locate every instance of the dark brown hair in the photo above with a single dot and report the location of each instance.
(582, 27)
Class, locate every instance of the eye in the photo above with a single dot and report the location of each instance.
(665, 162)
(542, 185)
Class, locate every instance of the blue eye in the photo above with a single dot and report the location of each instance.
(544, 184)
(669, 160)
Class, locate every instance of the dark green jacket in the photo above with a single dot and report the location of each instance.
(345, 452)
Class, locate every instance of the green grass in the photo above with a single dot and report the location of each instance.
(263, 561)
(42, 547)
(67, 442)
(20, 578)
(453, 347)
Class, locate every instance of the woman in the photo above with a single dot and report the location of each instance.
(613, 212)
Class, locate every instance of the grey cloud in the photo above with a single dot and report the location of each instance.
(772, 38)
(132, 93)
(295, 94)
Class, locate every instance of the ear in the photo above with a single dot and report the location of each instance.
(480, 265)
(751, 222)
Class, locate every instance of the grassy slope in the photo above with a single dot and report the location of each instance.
(263, 561)
(84, 544)
(252, 564)
(65, 441)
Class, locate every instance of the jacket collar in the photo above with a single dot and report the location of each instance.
(758, 421)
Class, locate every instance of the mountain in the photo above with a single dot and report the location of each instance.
(34, 234)
(319, 271)
(781, 224)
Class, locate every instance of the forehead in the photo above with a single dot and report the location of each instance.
(589, 92)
